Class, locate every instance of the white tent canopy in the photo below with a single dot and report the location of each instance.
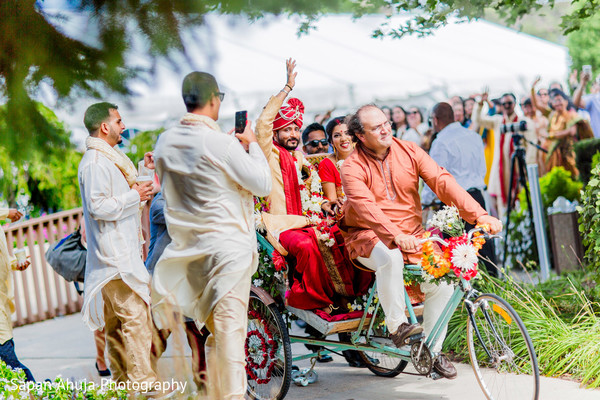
(341, 65)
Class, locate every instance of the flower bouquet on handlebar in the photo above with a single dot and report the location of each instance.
(458, 257)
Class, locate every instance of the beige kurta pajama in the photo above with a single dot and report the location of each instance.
(116, 282)
(208, 181)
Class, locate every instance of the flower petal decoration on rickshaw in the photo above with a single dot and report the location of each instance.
(261, 351)
(459, 256)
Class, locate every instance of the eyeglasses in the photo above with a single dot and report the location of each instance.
(221, 95)
(315, 143)
(379, 128)
(508, 103)
(413, 112)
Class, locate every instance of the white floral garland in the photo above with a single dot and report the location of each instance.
(311, 199)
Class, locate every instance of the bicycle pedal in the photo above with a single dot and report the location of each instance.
(435, 376)
(415, 338)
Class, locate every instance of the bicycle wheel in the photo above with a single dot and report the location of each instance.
(268, 352)
(501, 352)
(382, 364)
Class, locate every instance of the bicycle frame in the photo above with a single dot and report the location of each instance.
(372, 344)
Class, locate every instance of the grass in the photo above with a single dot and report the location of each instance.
(562, 322)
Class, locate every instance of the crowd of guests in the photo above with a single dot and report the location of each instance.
(549, 120)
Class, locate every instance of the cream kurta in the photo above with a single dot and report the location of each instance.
(7, 306)
(207, 181)
(110, 209)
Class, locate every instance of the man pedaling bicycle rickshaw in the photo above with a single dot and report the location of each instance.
(382, 222)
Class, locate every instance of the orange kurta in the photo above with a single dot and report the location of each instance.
(383, 196)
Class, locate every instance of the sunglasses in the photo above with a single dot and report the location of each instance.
(315, 143)
(221, 95)
(508, 103)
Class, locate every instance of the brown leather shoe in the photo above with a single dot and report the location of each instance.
(404, 331)
(444, 367)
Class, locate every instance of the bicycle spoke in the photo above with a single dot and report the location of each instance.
(510, 370)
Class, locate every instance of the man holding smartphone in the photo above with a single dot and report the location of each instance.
(590, 102)
(208, 181)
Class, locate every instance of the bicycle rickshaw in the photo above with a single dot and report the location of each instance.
(499, 346)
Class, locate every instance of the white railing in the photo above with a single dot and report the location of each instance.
(40, 293)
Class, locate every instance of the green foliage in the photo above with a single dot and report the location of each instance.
(583, 45)
(142, 143)
(585, 151)
(14, 386)
(84, 65)
(589, 221)
(48, 181)
(558, 182)
(268, 277)
(564, 344)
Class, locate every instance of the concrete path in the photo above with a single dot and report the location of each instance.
(65, 346)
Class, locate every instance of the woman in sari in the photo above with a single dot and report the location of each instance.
(329, 168)
(562, 134)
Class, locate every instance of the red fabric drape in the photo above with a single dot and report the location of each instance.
(503, 188)
(312, 286)
(289, 175)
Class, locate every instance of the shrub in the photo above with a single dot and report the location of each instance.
(584, 153)
(589, 222)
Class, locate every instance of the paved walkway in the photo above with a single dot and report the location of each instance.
(65, 346)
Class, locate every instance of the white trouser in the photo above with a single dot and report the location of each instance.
(388, 266)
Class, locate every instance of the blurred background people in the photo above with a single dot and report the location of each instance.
(399, 123)
(416, 126)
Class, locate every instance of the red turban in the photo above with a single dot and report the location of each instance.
(292, 112)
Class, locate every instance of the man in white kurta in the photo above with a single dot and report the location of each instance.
(7, 304)
(207, 181)
(117, 292)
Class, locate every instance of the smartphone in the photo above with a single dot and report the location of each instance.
(240, 121)
(587, 69)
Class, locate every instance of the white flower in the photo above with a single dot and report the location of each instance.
(315, 185)
(257, 282)
(258, 222)
(464, 256)
(314, 219)
(278, 276)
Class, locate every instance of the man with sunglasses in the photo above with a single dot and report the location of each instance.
(315, 139)
(499, 177)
